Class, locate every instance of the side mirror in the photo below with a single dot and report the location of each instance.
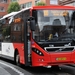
(32, 23)
(11, 19)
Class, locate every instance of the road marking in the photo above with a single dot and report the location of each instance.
(4, 72)
(19, 72)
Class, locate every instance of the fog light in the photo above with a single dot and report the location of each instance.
(41, 60)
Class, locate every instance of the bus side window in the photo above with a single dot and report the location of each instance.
(6, 34)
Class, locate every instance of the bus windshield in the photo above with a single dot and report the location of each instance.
(53, 24)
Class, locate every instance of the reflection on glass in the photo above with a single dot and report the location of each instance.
(55, 22)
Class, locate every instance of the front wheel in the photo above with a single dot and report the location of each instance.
(17, 59)
(55, 67)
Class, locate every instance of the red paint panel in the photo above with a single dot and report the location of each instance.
(73, 56)
(52, 58)
(54, 7)
(20, 48)
(60, 57)
(40, 60)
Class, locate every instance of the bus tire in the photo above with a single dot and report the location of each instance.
(55, 67)
(17, 59)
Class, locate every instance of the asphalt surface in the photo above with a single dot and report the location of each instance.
(9, 68)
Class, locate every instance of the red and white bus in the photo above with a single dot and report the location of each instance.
(39, 36)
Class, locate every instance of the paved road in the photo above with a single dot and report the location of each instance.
(9, 68)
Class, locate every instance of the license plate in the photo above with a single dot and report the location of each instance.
(61, 58)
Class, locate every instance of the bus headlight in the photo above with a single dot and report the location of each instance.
(38, 52)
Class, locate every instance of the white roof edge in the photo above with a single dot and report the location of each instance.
(22, 11)
(8, 15)
(14, 13)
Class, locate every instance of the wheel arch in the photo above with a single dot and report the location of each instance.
(16, 52)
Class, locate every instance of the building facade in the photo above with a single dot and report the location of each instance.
(66, 2)
(3, 7)
(29, 3)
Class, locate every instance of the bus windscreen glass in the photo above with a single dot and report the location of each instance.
(52, 24)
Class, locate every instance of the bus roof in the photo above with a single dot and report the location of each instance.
(54, 7)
